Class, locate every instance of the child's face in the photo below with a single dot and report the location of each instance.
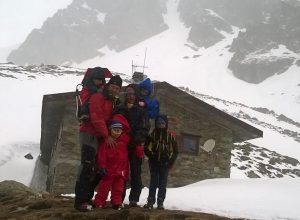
(144, 92)
(161, 124)
(116, 132)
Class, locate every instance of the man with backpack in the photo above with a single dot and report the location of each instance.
(100, 100)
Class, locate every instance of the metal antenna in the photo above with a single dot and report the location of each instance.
(144, 59)
(132, 67)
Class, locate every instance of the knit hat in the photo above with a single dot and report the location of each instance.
(115, 124)
(115, 80)
(147, 85)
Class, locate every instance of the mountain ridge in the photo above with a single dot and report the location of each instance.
(76, 34)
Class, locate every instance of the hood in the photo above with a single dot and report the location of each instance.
(146, 84)
(120, 118)
(95, 73)
(165, 118)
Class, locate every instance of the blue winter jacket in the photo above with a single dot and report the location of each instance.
(152, 105)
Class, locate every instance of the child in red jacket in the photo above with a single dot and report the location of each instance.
(114, 164)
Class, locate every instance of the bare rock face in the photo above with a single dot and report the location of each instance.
(9, 189)
(20, 202)
(28, 156)
(79, 31)
(267, 26)
(258, 162)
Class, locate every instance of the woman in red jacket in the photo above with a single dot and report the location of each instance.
(114, 164)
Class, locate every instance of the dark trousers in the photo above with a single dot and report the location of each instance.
(158, 179)
(135, 178)
(88, 178)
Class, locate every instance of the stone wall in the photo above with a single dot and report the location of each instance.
(192, 168)
(65, 159)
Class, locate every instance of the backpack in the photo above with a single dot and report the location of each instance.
(82, 106)
(82, 102)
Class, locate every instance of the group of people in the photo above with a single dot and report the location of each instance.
(114, 136)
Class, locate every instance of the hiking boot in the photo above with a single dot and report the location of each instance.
(84, 207)
(92, 204)
(160, 206)
(118, 207)
(99, 206)
(148, 205)
(133, 204)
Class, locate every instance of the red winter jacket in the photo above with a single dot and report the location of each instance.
(100, 109)
(115, 160)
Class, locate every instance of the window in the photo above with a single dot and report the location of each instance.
(188, 144)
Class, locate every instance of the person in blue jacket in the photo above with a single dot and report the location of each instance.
(152, 105)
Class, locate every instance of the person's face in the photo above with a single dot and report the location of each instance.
(161, 124)
(130, 95)
(116, 132)
(98, 82)
(144, 92)
(113, 90)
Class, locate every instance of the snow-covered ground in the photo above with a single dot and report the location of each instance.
(260, 199)
(168, 59)
(237, 198)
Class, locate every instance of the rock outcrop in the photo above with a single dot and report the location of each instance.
(20, 202)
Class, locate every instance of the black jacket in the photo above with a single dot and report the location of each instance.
(161, 146)
(139, 123)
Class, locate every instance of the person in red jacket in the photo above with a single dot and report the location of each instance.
(114, 164)
(93, 132)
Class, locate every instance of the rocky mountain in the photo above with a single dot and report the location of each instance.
(264, 26)
(267, 42)
(76, 33)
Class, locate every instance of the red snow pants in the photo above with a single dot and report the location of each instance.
(115, 184)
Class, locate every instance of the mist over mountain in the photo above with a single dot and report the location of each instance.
(267, 43)
(77, 32)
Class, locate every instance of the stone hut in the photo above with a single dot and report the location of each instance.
(205, 138)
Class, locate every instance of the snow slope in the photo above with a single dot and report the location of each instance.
(170, 57)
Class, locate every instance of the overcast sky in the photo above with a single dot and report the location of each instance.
(19, 17)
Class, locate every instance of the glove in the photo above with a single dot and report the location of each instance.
(102, 172)
(139, 151)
